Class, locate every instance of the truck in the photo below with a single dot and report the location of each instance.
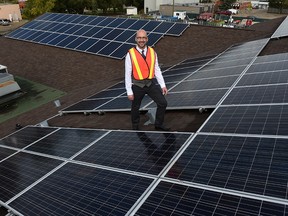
(9, 88)
(180, 15)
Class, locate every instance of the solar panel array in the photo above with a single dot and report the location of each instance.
(105, 36)
(282, 30)
(235, 164)
(258, 102)
(242, 145)
(65, 171)
(194, 83)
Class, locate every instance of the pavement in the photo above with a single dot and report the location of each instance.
(259, 13)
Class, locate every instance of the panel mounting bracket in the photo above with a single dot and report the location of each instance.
(151, 115)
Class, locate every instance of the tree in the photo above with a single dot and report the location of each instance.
(137, 3)
(9, 1)
(35, 8)
(279, 4)
(72, 6)
(104, 5)
(78, 6)
(117, 5)
(226, 4)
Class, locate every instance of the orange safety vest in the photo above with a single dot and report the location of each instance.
(143, 68)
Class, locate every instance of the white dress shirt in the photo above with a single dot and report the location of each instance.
(128, 72)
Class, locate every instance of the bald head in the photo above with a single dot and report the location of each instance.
(141, 38)
(141, 32)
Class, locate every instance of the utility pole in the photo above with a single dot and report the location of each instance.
(173, 7)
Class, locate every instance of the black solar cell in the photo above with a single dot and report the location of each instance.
(248, 164)
(26, 137)
(4, 153)
(177, 29)
(262, 120)
(213, 83)
(274, 77)
(189, 99)
(258, 95)
(65, 142)
(282, 30)
(82, 190)
(86, 105)
(173, 199)
(109, 48)
(96, 47)
(144, 152)
(20, 171)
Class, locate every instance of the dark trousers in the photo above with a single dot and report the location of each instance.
(155, 93)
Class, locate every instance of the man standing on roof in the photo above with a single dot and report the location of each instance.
(141, 66)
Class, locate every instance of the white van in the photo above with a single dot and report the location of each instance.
(234, 11)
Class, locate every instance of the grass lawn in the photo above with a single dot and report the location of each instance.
(35, 95)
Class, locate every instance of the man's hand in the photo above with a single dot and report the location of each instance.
(164, 91)
(131, 97)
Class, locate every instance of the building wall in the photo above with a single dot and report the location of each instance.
(154, 5)
(131, 11)
(166, 10)
(10, 11)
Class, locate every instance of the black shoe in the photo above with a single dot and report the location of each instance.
(162, 128)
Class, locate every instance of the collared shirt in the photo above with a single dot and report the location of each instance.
(128, 72)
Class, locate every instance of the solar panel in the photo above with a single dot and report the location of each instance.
(258, 119)
(219, 72)
(81, 190)
(65, 142)
(258, 102)
(20, 171)
(93, 33)
(26, 137)
(274, 77)
(268, 66)
(258, 95)
(236, 163)
(174, 199)
(143, 173)
(108, 93)
(200, 84)
(193, 99)
(272, 58)
(177, 29)
(209, 82)
(144, 152)
(86, 105)
(48, 183)
(5, 153)
(282, 30)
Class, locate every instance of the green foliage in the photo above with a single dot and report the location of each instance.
(71, 6)
(35, 8)
(9, 1)
(95, 6)
(279, 4)
(226, 4)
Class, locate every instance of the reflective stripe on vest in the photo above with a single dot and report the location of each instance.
(143, 68)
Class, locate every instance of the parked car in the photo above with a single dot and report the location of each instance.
(4, 22)
(228, 13)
